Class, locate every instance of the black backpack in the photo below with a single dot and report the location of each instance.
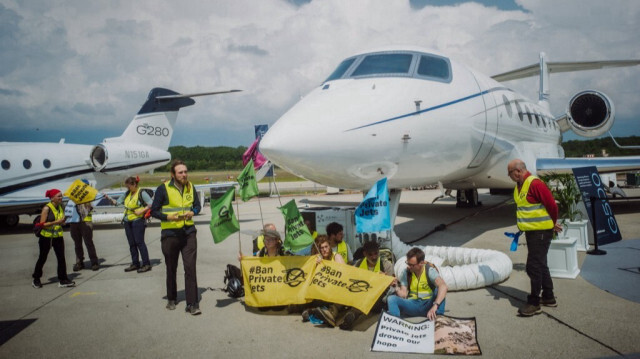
(37, 230)
(233, 281)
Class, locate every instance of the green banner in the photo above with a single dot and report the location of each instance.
(297, 234)
(247, 182)
(223, 219)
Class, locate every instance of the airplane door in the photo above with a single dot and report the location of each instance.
(490, 124)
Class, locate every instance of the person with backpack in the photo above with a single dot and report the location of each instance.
(50, 235)
(137, 203)
(421, 291)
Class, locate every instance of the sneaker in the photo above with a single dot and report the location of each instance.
(348, 320)
(95, 267)
(305, 315)
(171, 305)
(144, 268)
(326, 315)
(529, 310)
(66, 283)
(36, 283)
(193, 310)
(131, 268)
(549, 302)
(78, 266)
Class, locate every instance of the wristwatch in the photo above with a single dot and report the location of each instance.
(436, 304)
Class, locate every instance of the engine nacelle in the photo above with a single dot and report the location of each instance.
(590, 113)
(115, 156)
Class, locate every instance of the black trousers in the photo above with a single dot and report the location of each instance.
(172, 246)
(538, 243)
(45, 245)
(79, 231)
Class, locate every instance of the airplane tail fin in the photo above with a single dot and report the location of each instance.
(544, 68)
(153, 125)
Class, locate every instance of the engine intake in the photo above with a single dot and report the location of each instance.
(114, 157)
(590, 113)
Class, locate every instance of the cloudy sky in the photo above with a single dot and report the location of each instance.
(82, 69)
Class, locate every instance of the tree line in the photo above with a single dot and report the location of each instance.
(219, 158)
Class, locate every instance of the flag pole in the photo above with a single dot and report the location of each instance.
(238, 216)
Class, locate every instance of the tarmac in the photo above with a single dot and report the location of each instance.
(113, 314)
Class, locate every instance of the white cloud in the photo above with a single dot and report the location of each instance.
(92, 63)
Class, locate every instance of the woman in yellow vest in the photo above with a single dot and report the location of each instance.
(51, 221)
(324, 311)
(322, 249)
(136, 204)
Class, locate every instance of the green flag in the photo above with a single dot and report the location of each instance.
(247, 182)
(298, 236)
(223, 220)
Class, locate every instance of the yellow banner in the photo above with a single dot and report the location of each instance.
(270, 281)
(344, 284)
(80, 192)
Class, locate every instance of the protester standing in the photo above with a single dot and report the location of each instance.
(136, 203)
(175, 203)
(537, 216)
(51, 221)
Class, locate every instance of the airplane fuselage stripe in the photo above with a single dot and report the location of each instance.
(433, 108)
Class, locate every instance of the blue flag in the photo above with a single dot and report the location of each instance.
(372, 214)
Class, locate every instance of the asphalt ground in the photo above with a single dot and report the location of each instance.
(112, 314)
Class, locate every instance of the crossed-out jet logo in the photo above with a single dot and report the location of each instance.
(358, 286)
(294, 277)
(223, 213)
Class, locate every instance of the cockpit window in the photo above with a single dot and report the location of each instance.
(433, 67)
(342, 68)
(381, 64)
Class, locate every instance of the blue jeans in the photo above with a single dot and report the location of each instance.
(135, 235)
(401, 307)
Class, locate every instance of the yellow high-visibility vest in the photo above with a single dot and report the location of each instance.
(420, 289)
(530, 216)
(365, 265)
(178, 203)
(54, 231)
(131, 204)
(341, 249)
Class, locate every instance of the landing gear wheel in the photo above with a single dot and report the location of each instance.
(467, 198)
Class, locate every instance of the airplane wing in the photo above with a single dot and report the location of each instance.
(603, 164)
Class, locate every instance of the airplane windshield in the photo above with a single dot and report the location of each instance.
(393, 64)
(384, 64)
(342, 68)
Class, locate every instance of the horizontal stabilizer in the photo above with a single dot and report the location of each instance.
(603, 164)
(555, 67)
(195, 94)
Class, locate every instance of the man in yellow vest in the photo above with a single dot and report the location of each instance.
(537, 215)
(175, 203)
(421, 291)
(335, 233)
(374, 263)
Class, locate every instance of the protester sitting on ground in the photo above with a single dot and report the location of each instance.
(272, 244)
(338, 245)
(258, 242)
(322, 250)
(371, 262)
(421, 291)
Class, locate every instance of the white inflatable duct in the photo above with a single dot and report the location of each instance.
(107, 217)
(465, 268)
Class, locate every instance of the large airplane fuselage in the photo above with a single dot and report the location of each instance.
(452, 125)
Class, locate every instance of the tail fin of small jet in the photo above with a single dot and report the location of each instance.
(154, 123)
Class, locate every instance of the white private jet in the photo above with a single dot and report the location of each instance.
(28, 169)
(419, 118)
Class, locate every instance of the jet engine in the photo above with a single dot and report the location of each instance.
(114, 156)
(590, 113)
